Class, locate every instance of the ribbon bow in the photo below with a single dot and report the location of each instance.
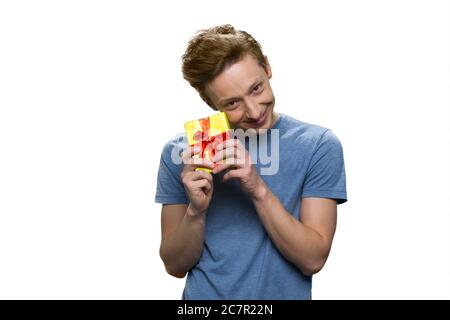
(206, 142)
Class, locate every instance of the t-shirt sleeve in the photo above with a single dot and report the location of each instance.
(169, 188)
(325, 177)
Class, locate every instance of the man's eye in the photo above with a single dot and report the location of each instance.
(232, 104)
(257, 88)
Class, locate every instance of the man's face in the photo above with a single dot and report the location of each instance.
(243, 92)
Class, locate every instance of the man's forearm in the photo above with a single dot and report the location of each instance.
(182, 249)
(298, 243)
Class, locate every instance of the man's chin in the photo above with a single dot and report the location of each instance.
(253, 131)
(263, 127)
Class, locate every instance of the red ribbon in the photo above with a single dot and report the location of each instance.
(205, 141)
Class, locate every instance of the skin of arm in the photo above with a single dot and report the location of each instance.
(183, 226)
(182, 235)
(306, 242)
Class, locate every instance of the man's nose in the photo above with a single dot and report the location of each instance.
(251, 109)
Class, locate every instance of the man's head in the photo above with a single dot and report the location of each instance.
(231, 74)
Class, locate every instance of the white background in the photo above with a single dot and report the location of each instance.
(91, 90)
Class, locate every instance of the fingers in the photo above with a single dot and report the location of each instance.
(190, 152)
(198, 181)
(222, 166)
(230, 153)
(231, 174)
(189, 176)
(202, 184)
(192, 163)
(229, 144)
(199, 175)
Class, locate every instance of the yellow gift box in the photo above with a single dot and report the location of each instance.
(207, 133)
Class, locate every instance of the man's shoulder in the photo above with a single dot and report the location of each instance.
(302, 131)
(174, 146)
(176, 141)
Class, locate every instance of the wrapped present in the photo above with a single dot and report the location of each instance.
(207, 133)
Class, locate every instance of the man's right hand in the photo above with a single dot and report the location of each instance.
(198, 184)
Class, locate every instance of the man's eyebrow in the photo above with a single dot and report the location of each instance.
(223, 101)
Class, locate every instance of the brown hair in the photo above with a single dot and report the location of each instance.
(211, 50)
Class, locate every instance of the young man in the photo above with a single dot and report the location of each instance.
(239, 234)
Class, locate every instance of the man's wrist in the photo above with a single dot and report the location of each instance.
(194, 213)
(261, 191)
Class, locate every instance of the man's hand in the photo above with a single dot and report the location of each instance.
(198, 184)
(231, 154)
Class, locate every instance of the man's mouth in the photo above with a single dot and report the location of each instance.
(260, 120)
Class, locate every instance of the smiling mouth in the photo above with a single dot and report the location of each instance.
(260, 120)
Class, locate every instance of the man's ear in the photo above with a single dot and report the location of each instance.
(267, 68)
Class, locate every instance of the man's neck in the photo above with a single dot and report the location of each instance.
(275, 116)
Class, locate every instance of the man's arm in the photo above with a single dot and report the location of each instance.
(182, 235)
(306, 243)
(183, 226)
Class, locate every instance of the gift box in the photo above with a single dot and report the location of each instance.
(207, 133)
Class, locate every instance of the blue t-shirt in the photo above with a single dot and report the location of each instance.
(239, 260)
